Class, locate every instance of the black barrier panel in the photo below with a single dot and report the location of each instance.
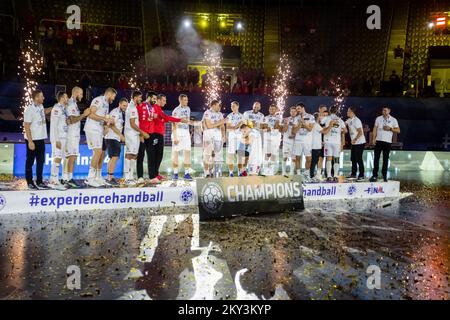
(225, 197)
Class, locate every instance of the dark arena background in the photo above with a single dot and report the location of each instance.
(208, 231)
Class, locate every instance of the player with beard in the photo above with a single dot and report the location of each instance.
(94, 129)
(73, 135)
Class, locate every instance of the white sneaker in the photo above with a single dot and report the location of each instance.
(100, 181)
(130, 182)
(141, 181)
(56, 185)
(92, 183)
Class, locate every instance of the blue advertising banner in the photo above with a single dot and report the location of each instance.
(81, 166)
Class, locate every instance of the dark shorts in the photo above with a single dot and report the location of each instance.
(104, 147)
(113, 147)
(322, 153)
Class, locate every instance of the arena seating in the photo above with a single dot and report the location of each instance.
(420, 38)
(307, 35)
(95, 47)
(250, 40)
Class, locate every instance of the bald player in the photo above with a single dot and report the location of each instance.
(73, 135)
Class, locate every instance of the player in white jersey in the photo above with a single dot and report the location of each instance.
(334, 141)
(288, 141)
(73, 135)
(181, 138)
(213, 138)
(132, 137)
(254, 116)
(94, 129)
(303, 140)
(272, 139)
(316, 150)
(251, 139)
(358, 141)
(382, 137)
(234, 120)
(114, 137)
(58, 139)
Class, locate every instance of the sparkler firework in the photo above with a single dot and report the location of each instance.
(339, 93)
(282, 77)
(29, 69)
(213, 60)
(132, 81)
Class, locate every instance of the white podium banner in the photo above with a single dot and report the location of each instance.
(92, 199)
(357, 190)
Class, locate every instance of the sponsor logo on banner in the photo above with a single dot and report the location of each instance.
(2, 202)
(235, 196)
(352, 190)
(94, 199)
(212, 197)
(187, 195)
(82, 163)
(374, 190)
(320, 191)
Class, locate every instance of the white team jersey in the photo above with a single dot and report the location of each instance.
(353, 126)
(303, 135)
(182, 113)
(256, 155)
(334, 135)
(234, 119)
(292, 122)
(271, 121)
(58, 124)
(255, 118)
(35, 116)
(383, 135)
(73, 130)
(214, 117)
(117, 117)
(102, 110)
(131, 113)
(316, 137)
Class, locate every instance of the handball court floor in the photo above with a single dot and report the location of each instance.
(322, 252)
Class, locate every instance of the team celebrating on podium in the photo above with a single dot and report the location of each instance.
(252, 140)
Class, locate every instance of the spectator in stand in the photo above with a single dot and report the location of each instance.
(368, 86)
(394, 81)
(86, 85)
(407, 53)
(346, 91)
(123, 82)
(398, 52)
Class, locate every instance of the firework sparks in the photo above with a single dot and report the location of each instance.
(282, 77)
(339, 93)
(213, 60)
(132, 81)
(30, 68)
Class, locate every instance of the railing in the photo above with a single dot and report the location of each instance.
(101, 25)
(13, 22)
(115, 74)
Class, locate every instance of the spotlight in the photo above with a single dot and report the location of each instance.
(239, 26)
(187, 23)
(431, 25)
(223, 24)
(203, 23)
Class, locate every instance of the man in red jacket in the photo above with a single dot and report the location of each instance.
(145, 124)
(157, 129)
